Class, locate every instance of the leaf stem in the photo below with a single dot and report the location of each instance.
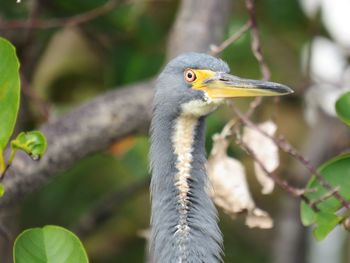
(12, 155)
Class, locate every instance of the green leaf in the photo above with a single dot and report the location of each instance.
(342, 107)
(337, 172)
(33, 143)
(50, 244)
(9, 90)
(326, 222)
(9, 94)
(2, 190)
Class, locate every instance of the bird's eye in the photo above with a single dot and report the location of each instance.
(189, 75)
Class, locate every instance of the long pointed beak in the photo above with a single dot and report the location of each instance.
(224, 85)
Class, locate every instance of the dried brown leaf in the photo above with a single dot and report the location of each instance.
(259, 218)
(229, 188)
(265, 150)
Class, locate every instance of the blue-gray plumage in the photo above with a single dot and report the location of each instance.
(184, 220)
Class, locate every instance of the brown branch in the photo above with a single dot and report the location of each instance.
(60, 22)
(256, 45)
(324, 197)
(288, 148)
(90, 128)
(297, 192)
(284, 145)
(257, 51)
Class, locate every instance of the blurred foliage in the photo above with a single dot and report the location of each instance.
(66, 66)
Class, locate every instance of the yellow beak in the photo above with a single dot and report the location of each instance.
(222, 85)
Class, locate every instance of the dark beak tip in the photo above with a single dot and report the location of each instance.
(288, 90)
(283, 89)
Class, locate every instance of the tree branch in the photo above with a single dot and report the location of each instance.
(112, 116)
(198, 25)
(88, 129)
(256, 46)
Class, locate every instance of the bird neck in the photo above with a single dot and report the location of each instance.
(184, 219)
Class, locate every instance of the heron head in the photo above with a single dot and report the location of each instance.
(195, 83)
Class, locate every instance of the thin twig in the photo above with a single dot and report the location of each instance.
(257, 51)
(253, 106)
(256, 45)
(324, 197)
(284, 145)
(288, 148)
(251, 24)
(60, 22)
(282, 183)
(215, 50)
(228, 131)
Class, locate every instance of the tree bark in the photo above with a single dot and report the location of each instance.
(198, 25)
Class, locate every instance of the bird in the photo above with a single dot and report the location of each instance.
(184, 221)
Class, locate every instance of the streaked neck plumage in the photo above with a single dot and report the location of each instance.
(184, 220)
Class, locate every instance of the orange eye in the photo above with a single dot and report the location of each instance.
(189, 75)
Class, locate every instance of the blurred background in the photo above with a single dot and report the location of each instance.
(306, 45)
